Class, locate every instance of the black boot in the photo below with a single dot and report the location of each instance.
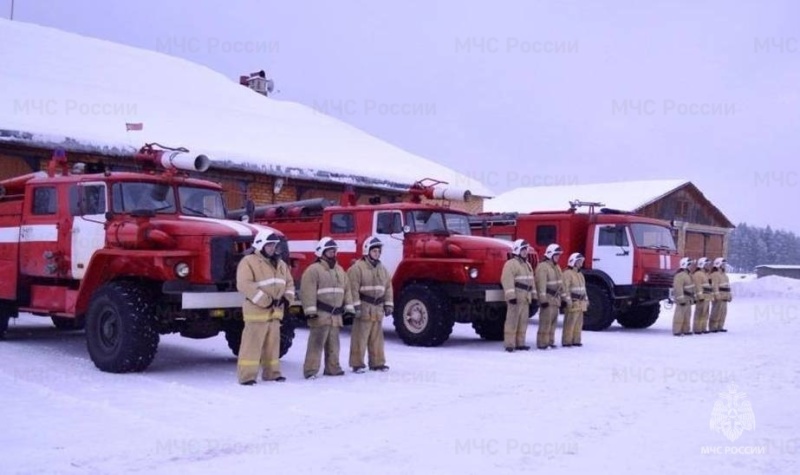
(523, 348)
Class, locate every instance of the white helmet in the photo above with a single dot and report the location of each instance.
(686, 262)
(264, 237)
(324, 244)
(518, 246)
(552, 250)
(574, 258)
(370, 243)
(719, 262)
(702, 262)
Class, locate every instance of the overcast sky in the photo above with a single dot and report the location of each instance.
(516, 93)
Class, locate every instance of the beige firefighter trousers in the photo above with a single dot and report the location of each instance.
(719, 310)
(700, 323)
(516, 325)
(682, 319)
(366, 336)
(324, 338)
(573, 325)
(548, 318)
(260, 348)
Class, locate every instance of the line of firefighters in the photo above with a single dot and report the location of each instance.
(706, 286)
(329, 294)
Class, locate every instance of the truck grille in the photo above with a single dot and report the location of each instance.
(659, 279)
(227, 251)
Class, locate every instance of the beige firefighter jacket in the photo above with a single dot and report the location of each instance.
(683, 287)
(702, 285)
(549, 283)
(720, 286)
(575, 288)
(370, 289)
(324, 291)
(517, 280)
(264, 287)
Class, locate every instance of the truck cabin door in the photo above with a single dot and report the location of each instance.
(388, 226)
(612, 252)
(87, 206)
(38, 233)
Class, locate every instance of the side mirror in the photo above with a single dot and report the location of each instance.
(406, 229)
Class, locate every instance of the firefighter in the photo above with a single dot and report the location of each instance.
(576, 299)
(517, 280)
(702, 286)
(371, 293)
(684, 292)
(267, 284)
(721, 295)
(550, 289)
(324, 292)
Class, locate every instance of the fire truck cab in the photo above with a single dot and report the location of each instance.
(441, 273)
(126, 255)
(630, 260)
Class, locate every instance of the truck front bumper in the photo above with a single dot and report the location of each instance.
(485, 293)
(200, 297)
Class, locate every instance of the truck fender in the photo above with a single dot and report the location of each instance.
(111, 264)
(601, 278)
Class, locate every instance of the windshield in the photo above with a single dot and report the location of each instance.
(653, 236)
(138, 196)
(201, 202)
(160, 198)
(425, 221)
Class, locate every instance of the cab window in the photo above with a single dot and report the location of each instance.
(44, 200)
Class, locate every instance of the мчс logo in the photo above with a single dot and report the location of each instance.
(732, 414)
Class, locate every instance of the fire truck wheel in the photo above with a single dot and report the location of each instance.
(233, 335)
(67, 324)
(492, 327)
(423, 317)
(5, 315)
(119, 334)
(642, 316)
(600, 314)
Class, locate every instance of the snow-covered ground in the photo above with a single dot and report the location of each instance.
(627, 402)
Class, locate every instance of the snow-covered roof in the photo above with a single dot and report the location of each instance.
(626, 196)
(63, 89)
(779, 266)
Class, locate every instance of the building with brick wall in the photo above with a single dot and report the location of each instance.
(699, 227)
(260, 148)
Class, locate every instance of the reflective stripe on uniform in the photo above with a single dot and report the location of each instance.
(380, 288)
(523, 277)
(271, 281)
(310, 310)
(257, 297)
(249, 362)
(330, 290)
(389, 303)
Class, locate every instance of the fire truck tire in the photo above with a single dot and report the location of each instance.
(492, 327)
(5, 315)
(600, 315)
(423, 317)
(67, 324)
(643, 316)
(233, 335)
(119, 334)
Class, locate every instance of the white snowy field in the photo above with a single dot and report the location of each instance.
(627, 402)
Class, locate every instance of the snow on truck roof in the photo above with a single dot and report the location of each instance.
(61, 89)
(624, 196)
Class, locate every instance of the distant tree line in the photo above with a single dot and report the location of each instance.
(750, 246)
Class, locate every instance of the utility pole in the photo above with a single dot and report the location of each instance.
(12, 10)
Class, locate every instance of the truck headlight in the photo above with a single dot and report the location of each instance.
(473, 273)
(182, 270)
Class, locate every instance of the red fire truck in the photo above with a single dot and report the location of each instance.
(441, 273)
(630, 259)
(127, 255)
